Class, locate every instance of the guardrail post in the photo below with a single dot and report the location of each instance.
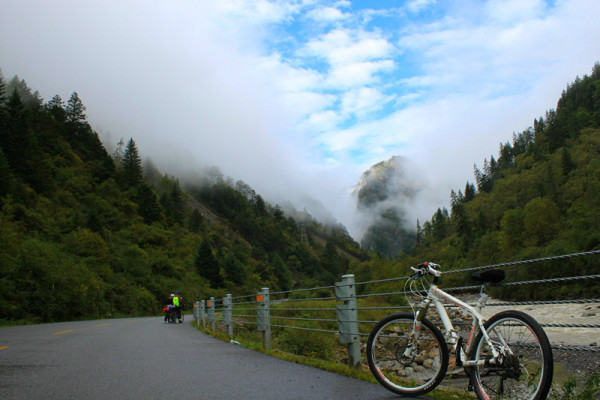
(203, 313)
(196, 311)
(211, 314)
(263, 313)
(228, 314)
(347, 315)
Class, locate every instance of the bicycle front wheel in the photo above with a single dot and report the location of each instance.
(410, 375)
(526, 366)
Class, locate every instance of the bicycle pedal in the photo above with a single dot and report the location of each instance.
(458, 351)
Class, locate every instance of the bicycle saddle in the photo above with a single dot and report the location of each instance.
(488, 276)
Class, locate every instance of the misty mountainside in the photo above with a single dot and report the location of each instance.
(540, 196)
(88, 233)
(382, 195)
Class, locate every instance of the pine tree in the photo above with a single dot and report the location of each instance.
(13, 138)
(234, 270)
(2, 101)
(133, 173)
(21, 148)
(148, 206)
(207, 265)
(6, 178)
(56, 108)
(75, 109)
(2, 96)
(177, 206)
(172, 203)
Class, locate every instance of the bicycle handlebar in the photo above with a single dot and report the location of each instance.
(426, 268)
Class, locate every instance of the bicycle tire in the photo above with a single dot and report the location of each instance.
(527, 374)
(411, 377)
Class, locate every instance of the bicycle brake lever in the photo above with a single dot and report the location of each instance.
(418, 273)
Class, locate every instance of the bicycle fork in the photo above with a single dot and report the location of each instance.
(416, 329)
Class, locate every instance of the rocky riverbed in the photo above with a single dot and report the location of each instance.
(570, 314)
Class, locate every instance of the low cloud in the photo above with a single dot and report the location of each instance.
(299, 108)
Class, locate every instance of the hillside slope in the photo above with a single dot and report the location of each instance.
(540, 196)
(85, 233)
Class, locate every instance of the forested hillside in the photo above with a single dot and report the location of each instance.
(87, 233)
(540, 196)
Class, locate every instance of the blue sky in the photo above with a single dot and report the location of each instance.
(298, 97)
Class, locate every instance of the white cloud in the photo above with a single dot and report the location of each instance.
(342, 46)
(357, 74)
(234, 83)
(364, 100)
(510, 12)
(326, 14)
(418, 5)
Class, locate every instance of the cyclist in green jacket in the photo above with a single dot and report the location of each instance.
(177, 304)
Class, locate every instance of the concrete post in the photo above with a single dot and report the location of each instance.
(264, 316)
(348, 318)
(228, 314)
(203, 312)
(211, 314)
(197, 312)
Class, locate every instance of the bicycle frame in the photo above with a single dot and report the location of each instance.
(437, 296)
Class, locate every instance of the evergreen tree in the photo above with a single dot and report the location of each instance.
(6, 177)
(439, 224)
(75, 111)
(133, 174)
(2, 88)
(177, 205)
(2, 99)
(148, 206)
(118, 153)
(234, 270)
(469, 192)
(13, 139)
(172, 203)
(208, 266)
(56, 108)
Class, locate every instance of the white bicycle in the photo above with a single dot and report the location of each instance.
(506, 357)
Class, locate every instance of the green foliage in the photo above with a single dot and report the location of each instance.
(570, 390)
(132, 165)
(86, 235)
(75, 111)
(538, 198)
(208, 266)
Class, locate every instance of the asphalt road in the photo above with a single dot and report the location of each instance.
(142, 358)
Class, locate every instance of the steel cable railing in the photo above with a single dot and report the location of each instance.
(280, 305)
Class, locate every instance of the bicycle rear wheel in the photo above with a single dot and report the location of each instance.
(417, 374)
(527, 366)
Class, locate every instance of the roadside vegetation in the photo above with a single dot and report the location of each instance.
(92, 233)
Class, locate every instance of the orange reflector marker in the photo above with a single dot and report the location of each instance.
(259, 297)
(5, 347)
(208, 303)
(58, 333)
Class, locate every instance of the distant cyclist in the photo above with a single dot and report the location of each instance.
(178, 303)
(169, 308)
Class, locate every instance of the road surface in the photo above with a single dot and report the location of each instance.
(142, 358)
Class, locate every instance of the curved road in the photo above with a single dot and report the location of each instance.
(142, 358)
